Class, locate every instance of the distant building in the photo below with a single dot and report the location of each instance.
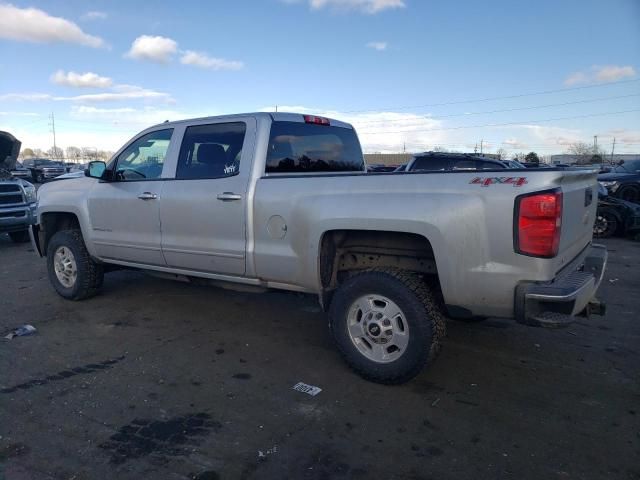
(387, 158)
(402, 158)
(571, 159)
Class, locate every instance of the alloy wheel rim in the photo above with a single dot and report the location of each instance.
(378, 328)
(65, 267)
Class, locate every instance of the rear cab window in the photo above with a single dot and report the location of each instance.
(296, 147)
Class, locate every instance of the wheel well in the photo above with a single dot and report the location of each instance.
(53, 222)
(345, 251)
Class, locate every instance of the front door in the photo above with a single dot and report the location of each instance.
(203, 210)
(125, 212)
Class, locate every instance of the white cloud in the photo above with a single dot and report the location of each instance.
(153, 48)
(120, 93)
(94, 15)
(25, 97)
(81, 80)
(84, 110)
(514, 143)
(365, 6)
(378, 131)
(601, 74)
(380, 46)
(34, 25)
(202, 60)
(19, 114)
(117, 93)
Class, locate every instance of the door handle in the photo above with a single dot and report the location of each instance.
(147, 196)
(229, 196)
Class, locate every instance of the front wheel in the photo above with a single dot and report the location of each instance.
(387, 324)
(72, 271)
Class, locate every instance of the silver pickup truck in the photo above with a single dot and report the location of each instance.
(283, 201)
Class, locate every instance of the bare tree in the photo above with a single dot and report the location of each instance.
(74, 154)
(55, 152)
(586, 153)
(502, 153)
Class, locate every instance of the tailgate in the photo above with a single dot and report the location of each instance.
(579, 204)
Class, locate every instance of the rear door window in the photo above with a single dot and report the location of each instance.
(300, 147)
(211, 151)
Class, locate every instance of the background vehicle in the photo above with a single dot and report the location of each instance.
(623, 181)
(615, 216)
(17, 196)
(442, 161)
(43, 169)
(19, 171)
(277, 200)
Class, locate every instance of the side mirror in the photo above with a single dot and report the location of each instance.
(96, 169)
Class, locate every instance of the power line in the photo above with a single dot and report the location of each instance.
(438, 117)
(530, 122)
(504, 97)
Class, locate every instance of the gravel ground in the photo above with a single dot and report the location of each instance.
(165, 380)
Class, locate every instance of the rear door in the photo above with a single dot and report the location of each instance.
(204, 207)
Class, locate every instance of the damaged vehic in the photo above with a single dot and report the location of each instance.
(17, 196)
(283, 201)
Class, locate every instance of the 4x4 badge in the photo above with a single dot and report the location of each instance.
(486, 181)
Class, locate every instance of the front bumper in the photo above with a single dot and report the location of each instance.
(556, 303)
(15, 219)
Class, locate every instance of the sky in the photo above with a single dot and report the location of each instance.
(410, 75)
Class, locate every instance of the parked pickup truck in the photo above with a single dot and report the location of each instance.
(17, 196)
(43, 169)
(280, 200)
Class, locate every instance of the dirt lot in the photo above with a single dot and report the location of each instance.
(164, 380)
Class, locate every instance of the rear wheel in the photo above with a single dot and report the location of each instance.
(606, 224)
(387, 324)
(72, 271)
(19, 237)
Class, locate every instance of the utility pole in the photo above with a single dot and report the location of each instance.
(475, 149)
(53, 130)
(481, 141)
(612, 149)
(595, 144)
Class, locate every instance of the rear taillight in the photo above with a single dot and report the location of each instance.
(316, 120)
(538, 220)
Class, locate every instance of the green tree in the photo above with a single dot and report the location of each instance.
(532, 157)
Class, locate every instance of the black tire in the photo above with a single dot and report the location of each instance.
(90, 274)
(420, 307)
(607, 223)
(630, 194)
(19, 237)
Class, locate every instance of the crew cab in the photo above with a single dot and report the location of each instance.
(283, 201)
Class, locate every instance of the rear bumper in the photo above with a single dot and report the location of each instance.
(16, 219)
(556, 303)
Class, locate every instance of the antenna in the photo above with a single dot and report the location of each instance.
(53, 130)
